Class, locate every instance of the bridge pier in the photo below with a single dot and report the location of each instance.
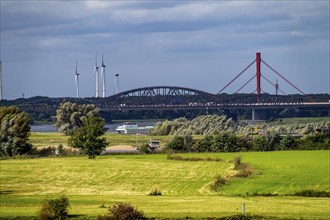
(258, 114)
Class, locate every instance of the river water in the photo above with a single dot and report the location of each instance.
(111, 127)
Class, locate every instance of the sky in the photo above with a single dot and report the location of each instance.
(194, 44)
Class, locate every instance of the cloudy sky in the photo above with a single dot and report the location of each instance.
(195, 44)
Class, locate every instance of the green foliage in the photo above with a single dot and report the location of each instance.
(53, 151)
(123, 211)
(201, 125)
(14, 131)
(237, 161)
(312, 193)
(224, 142)
(258, 143)
(219, 182)
(88, 137)
(262, 194)
(71, 115)
(244, 169)
(144, 148)
(56, 209)
(288, 142)
(181, 143)
(178, 157)
(316, 138)
(272, 139)
(203, 145)
(155, 192)
(177, 144)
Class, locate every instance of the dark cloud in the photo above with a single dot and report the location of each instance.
(200, 44)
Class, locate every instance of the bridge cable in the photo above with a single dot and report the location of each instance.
(254, 76)
(273, 84)
(280, 75)
(236, 77)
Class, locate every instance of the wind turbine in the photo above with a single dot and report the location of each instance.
(103, 79)
(77, 79)
(96, 69)
(116, 83)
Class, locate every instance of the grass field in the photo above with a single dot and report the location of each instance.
(45, 139)
(25, 183)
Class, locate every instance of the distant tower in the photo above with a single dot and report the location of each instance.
(276, 88)
(103, 79)
(96, 69)
(77, 80)
(116, 83)
(0, 80)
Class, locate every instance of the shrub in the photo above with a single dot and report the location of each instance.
(245, 170)
(264, 194)
(123, 211)
(193, 159)
(237, 162)
(177, 144)
(312, 193)
(144, 149)
(54, 209)
(155, 192)
(218, 182)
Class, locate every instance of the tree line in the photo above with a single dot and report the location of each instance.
(86, 128)
(82, 123)
(230, 142)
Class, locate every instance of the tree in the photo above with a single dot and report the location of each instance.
(204, 145)
(54, 209)
(288, 143)
(176, 144)
(71, 115)
(88, 137)
(272, 139)
(14, 131)
(225, 142)
(123, 211)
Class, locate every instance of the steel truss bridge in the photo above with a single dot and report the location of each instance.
(171, 97)
(180, 98)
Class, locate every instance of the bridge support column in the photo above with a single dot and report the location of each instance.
(258, 74)
(258, 114)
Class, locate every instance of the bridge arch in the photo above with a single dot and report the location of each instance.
(160, 96)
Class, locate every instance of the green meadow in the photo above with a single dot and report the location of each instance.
(46, 139)
(185, 185)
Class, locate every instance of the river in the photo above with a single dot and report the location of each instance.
(111, 127)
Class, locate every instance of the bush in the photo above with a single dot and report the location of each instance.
(123, 211)
(312, 193)
(53, 151)
(264, 194)
(237, 162)
(218, 182)
(155, 192)
(144, 149)
(177, 144)
(54, 209)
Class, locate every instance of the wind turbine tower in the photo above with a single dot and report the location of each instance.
(276, 88)
(0, 80)
(77, 80)
(116, 83)
(103, 79)
(96, 69)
